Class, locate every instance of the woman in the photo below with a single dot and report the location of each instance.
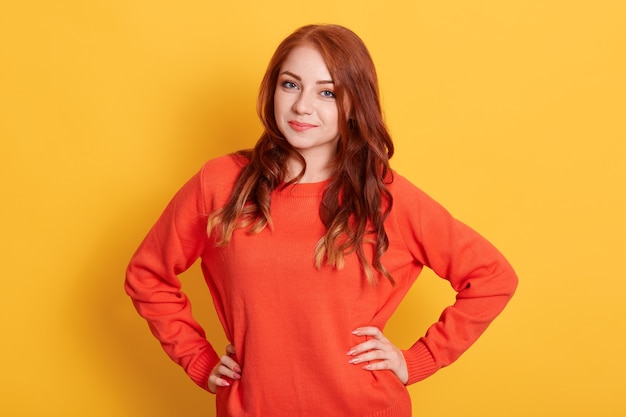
(308, 244)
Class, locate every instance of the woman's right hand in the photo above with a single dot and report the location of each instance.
(226, 368)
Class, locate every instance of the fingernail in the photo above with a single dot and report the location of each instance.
(354, 360)
(357, 331)
(236, 376)
(237, 369)
(351, 353)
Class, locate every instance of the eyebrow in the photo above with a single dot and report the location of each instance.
(298, 78)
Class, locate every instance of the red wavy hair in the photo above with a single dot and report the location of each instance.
(356, 201)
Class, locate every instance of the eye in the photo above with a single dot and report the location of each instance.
(327, 94)
(289, 85)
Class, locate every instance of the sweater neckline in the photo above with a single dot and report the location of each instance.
(306, 189)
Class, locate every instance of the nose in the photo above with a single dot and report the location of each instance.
(303, 104)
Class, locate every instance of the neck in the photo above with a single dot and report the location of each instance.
(317, 170)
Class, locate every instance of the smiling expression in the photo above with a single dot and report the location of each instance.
(305, 106)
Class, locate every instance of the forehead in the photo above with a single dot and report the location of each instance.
(307, 62)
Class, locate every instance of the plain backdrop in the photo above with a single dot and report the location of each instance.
(511, 114)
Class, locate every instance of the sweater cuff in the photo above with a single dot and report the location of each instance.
(420, 362)
(200, 369)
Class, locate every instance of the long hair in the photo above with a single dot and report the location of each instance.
(356, 202)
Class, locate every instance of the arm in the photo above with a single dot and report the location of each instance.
(477, 271)
(173, 244)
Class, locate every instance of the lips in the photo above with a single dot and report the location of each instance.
(300, 126)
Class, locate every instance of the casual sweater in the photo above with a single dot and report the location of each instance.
(291, 323)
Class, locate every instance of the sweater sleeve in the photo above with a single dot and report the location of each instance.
(173, 244)
(482, 278)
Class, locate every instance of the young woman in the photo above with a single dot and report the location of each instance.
(308, 243)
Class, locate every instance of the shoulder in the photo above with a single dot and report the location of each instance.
(411, 200)
(224, 166)
(223, 170)
(218, 176)
(403, 189)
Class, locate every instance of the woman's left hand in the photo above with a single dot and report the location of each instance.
(379, 352)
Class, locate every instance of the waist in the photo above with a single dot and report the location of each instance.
(371, 394)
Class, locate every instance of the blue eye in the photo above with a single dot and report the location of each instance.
(289, 84)
(328, 94)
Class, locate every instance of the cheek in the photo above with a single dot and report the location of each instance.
(280, 102)
(277, 102)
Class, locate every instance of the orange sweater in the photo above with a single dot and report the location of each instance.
(290, 322)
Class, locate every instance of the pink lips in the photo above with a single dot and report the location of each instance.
(300, 126)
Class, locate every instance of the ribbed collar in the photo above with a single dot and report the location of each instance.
(305, 189)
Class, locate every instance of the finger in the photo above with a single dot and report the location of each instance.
(377, 366)
(229, 367)
(374, 355)
(371, 344)
(224, 371)
(370, 331)
(386, 352)
(219, 381)
(230, 363)
(215, 381)
(397, 366)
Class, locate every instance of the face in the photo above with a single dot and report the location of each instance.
(305, 105)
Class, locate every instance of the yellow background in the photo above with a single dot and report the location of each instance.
(510, 113)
